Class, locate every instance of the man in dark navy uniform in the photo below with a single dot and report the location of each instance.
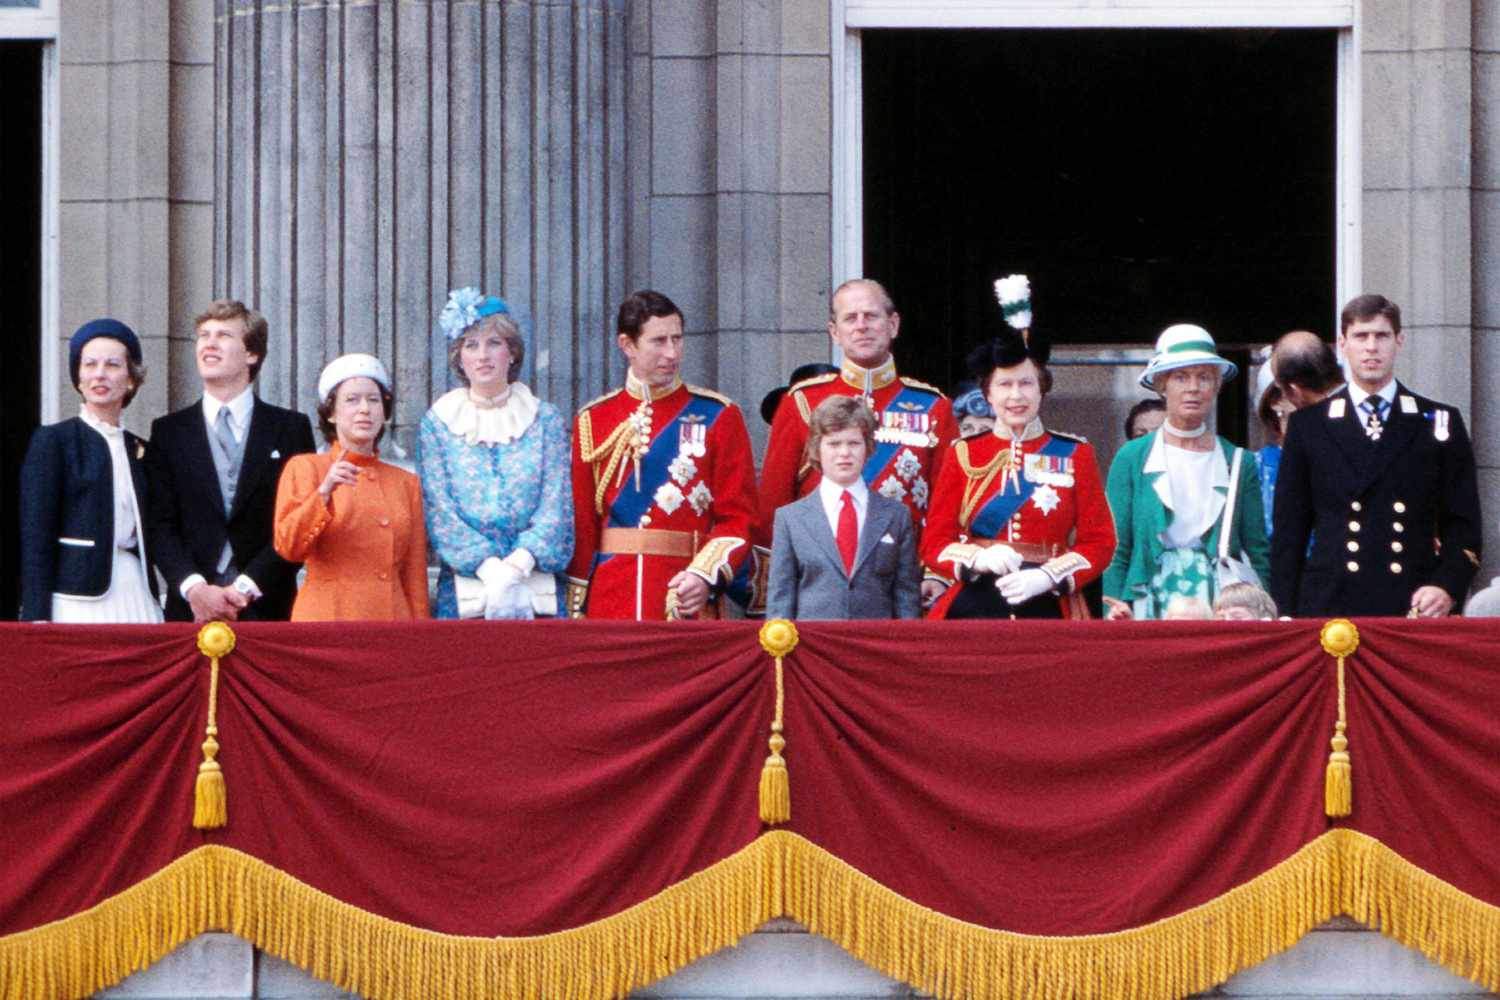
(1382, 480)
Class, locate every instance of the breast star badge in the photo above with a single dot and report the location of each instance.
(1045, 498)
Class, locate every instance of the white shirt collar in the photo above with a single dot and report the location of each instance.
(1387, 392)
(831, 492)
(239, 407)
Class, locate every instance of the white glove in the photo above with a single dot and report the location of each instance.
(505, 594)
(1022, 586)
(999, 559)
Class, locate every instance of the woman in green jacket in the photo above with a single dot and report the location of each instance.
(1169, 489)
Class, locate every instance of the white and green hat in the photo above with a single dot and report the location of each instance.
(1183, 346)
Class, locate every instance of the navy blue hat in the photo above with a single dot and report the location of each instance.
(105, 327)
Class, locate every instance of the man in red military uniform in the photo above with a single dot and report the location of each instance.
(663, 482)
(915, 422)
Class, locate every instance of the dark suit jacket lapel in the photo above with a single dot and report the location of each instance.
(200, 456)
(257, 447)
(1400, 428)
(1348, 434)
(876, 525)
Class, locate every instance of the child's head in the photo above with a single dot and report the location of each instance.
(1244, 602)
(840, 437)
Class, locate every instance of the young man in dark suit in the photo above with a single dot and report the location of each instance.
(214, 467)
(1382, 481)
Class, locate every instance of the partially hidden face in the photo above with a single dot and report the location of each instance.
(862, 327)
(1189, 394)
(1370, 347)
(656, 354)
(220, 352)
(973, 424)
(842, 454)
(358, 412)
(1145, 422)
(1015, 394)
(485, 357)
(104, 373)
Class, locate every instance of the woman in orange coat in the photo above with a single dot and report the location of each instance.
(354, 520)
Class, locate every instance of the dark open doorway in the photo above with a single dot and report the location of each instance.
(1140, 177)
(21, 224)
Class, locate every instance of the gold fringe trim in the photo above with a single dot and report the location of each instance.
(779, 874)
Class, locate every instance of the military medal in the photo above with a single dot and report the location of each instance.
(692, 438)
(1440, 424)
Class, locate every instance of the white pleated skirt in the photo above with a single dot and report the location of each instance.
(128, 600)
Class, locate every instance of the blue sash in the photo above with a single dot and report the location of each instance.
(990, 520)
(920, 403)
(630, 503)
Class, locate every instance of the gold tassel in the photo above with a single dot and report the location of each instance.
(778, 637)
(1340, 639)
(210, 796)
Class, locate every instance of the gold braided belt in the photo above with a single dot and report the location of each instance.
(648, 542)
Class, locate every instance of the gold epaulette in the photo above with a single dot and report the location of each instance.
(599, 399)
(814, 380)
(803, 406)
(1075, 438)
(698, 390)
(912, 383)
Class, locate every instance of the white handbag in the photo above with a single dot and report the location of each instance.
(469, 590)
(1227, 568)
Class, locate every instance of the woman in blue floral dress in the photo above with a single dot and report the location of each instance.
(493, 460)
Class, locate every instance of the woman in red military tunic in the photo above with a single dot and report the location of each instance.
(1019, 520)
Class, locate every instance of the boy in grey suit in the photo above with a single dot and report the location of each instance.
(842, 551)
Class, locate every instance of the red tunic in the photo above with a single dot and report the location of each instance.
(697, 478)
(1054, 501)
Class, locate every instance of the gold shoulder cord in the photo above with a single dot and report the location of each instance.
(979, 479)
(614, 447)
(803, 407)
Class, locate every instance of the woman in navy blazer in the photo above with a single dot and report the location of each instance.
(83, 495)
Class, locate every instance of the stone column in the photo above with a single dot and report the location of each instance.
(371, 156)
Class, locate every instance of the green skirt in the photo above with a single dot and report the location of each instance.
(1182, 573)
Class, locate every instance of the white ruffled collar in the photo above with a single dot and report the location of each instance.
(488, 425)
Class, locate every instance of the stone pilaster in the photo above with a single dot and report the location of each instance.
(136, 197)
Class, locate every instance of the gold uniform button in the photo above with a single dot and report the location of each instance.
(1399, 507)
(1354, 526)
(1356, 506)
(1353, 546)
(385, 576)
(385, 522)
(1352, 566)
(1398, 527)
(1395, 546)
(645, 520)
(1395, 567)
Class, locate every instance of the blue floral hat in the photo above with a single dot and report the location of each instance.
(467, 306)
